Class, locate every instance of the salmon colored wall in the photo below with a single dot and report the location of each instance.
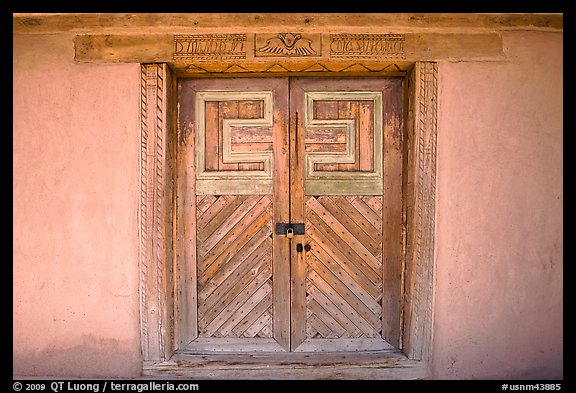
(75, 190)
(498, 300)
(498, 307)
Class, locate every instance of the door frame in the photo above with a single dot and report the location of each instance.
(163, 274)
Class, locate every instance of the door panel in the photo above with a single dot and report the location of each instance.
(234, 142)
(338, 284)
(323, 152)
(235, 268)
(242, 269)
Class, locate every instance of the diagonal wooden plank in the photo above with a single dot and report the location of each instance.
(336, 246)
(265, 320)
(249, 304)
(319, 239)
(247, 208)
(262, 307)
(310, 329)
(324, 328)
(374, 202)
(211, 321)
(332, 306)
(360, 221)
(323, 315)
(208, 311)
(224, 250)
(239, 301)
(315, 326)
(203, 202)
(236, 253)
(346, 272)
(369, 215)
(266, 331)
(219, 286)
(311, 332)
(214, 210)
(365, 326)
(336, 206)
(365, 305)
(220, 218)
(255, 329)
(237, 230)
(361, 251)
(230, 262)
(373, 318)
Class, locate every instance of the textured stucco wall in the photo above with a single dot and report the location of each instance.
(498, 308)
(75, 191)
(498, 300)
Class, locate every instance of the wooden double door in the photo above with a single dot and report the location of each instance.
(296, 214)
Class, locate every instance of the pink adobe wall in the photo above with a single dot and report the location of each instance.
(75, 190)
(498, 300)
(498, 307)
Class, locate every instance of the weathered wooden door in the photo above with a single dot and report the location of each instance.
(298, 213)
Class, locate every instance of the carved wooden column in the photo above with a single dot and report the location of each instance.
(156, 207)
(419, 209)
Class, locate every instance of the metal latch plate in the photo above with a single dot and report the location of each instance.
(282, 228)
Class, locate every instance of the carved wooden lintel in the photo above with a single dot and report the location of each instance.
(248, 47)
(209, 46)
(387, 46)
(288, 44)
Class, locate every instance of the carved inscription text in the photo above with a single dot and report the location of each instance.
(209, 46)
(367, 45)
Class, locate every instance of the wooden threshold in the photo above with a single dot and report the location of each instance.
(368, 365)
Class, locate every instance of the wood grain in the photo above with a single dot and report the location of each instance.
(156, 210)
(338, 288)
(282, 263)
(376, 364)
(236, 251)
(297, 215)
(85, 23)
(420, 216)
(349, 290)
(392, 204)
(245, 280)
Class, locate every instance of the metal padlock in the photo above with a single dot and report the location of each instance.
(290, 233)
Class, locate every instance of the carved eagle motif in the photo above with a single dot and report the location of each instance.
(288, 44)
